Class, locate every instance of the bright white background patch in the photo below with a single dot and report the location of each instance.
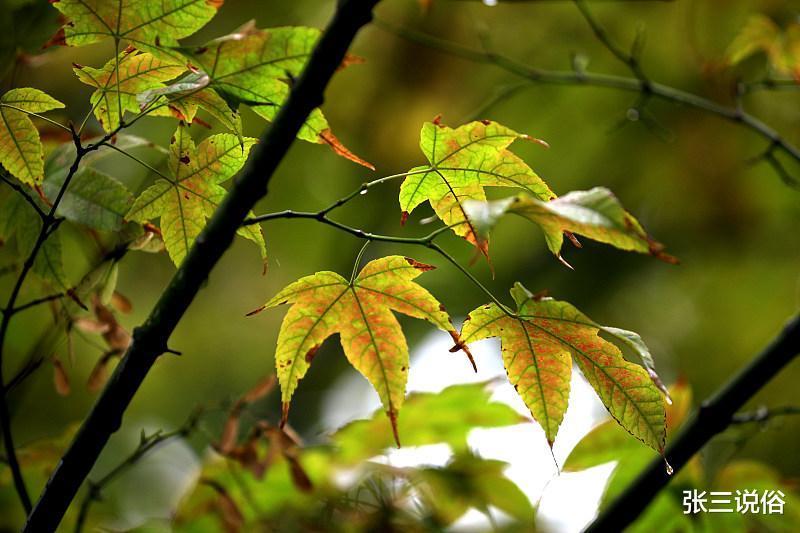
(567, 502)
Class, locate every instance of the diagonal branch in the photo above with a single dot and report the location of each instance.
(713, 417)
(591, 79)
(150, 339)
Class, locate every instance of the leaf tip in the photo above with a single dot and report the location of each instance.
(327, 137)
(256, 311)
(419, 266)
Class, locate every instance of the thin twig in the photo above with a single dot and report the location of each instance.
(585, 78)
(762, 414)
(147, 444)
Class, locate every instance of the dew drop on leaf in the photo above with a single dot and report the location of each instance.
(668, 467)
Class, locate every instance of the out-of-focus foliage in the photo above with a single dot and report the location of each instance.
(606, 443)
(780, 45)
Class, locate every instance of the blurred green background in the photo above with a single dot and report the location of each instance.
(733, 223)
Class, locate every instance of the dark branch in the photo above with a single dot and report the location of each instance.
(150, 339)
(713, 417)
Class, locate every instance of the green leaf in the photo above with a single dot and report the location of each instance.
(471, 482)
(93, 199)
(325, 303)
(446, 417)
(596, 214)
(539, 343)
(185, 198)
(147, 24)
(121, 80)
(462, 161)
(21, 150)
(255, 67)
(19, 220)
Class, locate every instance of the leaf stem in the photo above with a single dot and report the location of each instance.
(358, 261)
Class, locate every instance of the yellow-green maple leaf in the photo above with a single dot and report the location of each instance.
(462, 161)
(360, 311)
(188, 196)
(540, 341)
(596, 214)
(21, 151)
(147, 24)
(120, 81)
(255, 67)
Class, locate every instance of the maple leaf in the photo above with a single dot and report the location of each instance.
(462, 161)
(761, 34)
(147, 24)
(540, 341)
(360, 311)
(190, 194)
(256, 67)
(121, 80)
(596, 214)
(186, 95)
(21, 151)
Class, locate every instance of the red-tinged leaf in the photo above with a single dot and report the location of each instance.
(461, 163)
(331, 140)
(361, 313)
(539, 342)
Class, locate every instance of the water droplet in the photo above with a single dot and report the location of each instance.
(363, 192)
(669, 468)
(490, 3)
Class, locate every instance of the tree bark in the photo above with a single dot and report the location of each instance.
(711, 419)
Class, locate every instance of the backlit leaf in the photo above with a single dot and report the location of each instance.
(118, 85)
(143, 23)
(462, 161)
(428, 418)
(21, 150)
(191, 191)
(473, 482)
(539, 342)
(256, 67)
(596, 214)
(360, 311)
